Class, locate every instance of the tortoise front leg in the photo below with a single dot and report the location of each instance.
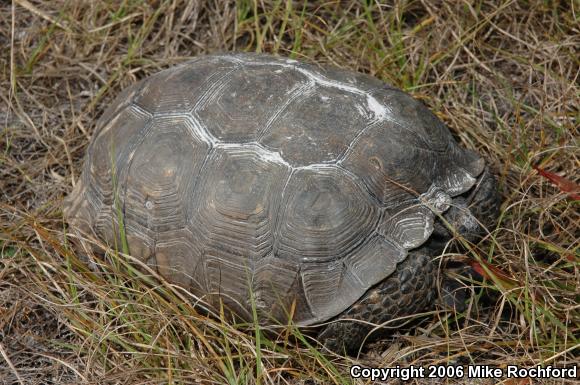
(409, 290)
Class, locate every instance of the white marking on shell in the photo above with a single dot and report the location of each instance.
(202, 132)
(261, 151)
(379, 110)
(267, 155)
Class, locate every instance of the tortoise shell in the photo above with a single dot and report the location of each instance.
(255, 179)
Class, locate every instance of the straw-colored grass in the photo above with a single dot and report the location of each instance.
(502, 74)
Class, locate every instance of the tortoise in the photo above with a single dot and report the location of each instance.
(261, 182)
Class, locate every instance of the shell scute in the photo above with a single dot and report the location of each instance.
(161, 176)
(319, 127)
(246, 103)
(179, 89)
(232, 214)
(320, 209)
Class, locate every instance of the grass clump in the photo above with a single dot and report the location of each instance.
(502, 74)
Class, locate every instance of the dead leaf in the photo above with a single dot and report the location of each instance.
(565, 185)
(505, 278)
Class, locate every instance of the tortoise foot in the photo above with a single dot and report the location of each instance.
(410, 290)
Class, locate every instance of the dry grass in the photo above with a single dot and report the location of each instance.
(502, 74)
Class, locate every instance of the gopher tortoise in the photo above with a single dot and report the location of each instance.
(262, 182)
